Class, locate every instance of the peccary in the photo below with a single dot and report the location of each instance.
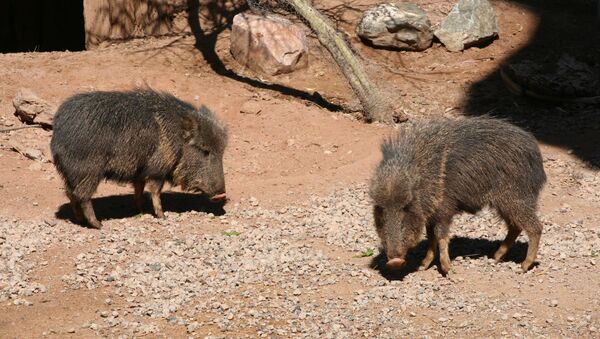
(140, 136)
(433, 171)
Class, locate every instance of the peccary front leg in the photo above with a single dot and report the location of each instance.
(442, 231)
(88, 212)
(444, 255)
(431, 247)
(138, 197)
(154, 187)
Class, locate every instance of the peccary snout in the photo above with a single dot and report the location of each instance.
(395, 255)
(393, 224)
(218, 192)
(395, 263)
(219, 197)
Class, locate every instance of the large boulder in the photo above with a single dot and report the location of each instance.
(402, 25)
(469, 23)
(268, 44)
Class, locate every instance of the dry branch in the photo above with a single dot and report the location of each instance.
(376, 106)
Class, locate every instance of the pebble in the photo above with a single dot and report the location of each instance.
(33, 154)
(291, 265)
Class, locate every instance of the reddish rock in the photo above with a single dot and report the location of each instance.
(268, 44)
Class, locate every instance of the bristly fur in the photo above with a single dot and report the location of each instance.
(137, 136)
(433, 170)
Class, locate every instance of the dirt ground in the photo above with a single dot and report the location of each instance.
(289, 162)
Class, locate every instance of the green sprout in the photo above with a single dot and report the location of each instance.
(231, 233)
(368, 253)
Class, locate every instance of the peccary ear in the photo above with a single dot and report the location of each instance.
(189, 126)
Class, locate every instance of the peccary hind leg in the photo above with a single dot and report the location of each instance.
(155, 186)
(76, 206)
(520, 215)
(81, 202)
(513, 233)
(534, 234)
(138, 198)
(88, 212)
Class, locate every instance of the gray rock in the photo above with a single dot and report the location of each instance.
(30, 108)
(402, 25)
(470, 23)
(33, 154)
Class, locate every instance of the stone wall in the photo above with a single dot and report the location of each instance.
(123, 19)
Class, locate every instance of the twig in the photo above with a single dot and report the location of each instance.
(20, 127)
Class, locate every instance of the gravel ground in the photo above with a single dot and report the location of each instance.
(306, 271)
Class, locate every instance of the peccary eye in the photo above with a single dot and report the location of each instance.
(205, 152)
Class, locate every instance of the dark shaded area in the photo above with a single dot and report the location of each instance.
(459, 247)
(565, 27)
(219, 14)
(122, 206)
(41, 25)
(370, 44)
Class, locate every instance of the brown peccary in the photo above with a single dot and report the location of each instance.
(434, 170)
(142, 137)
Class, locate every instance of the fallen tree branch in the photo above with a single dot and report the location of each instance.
(21, 127)
(375, 105)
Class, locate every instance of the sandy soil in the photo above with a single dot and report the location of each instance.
(287, 155)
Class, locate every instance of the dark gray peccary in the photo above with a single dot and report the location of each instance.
(142, 137)
(434, 170)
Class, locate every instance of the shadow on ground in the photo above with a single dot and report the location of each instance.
(468, 248)
(565, 27)
(218, 16)
(121, 206)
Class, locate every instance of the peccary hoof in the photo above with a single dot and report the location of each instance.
(395, 264)
(97, 225)
(219, 197)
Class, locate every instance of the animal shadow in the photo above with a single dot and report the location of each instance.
(459, 247)
(122, 206)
